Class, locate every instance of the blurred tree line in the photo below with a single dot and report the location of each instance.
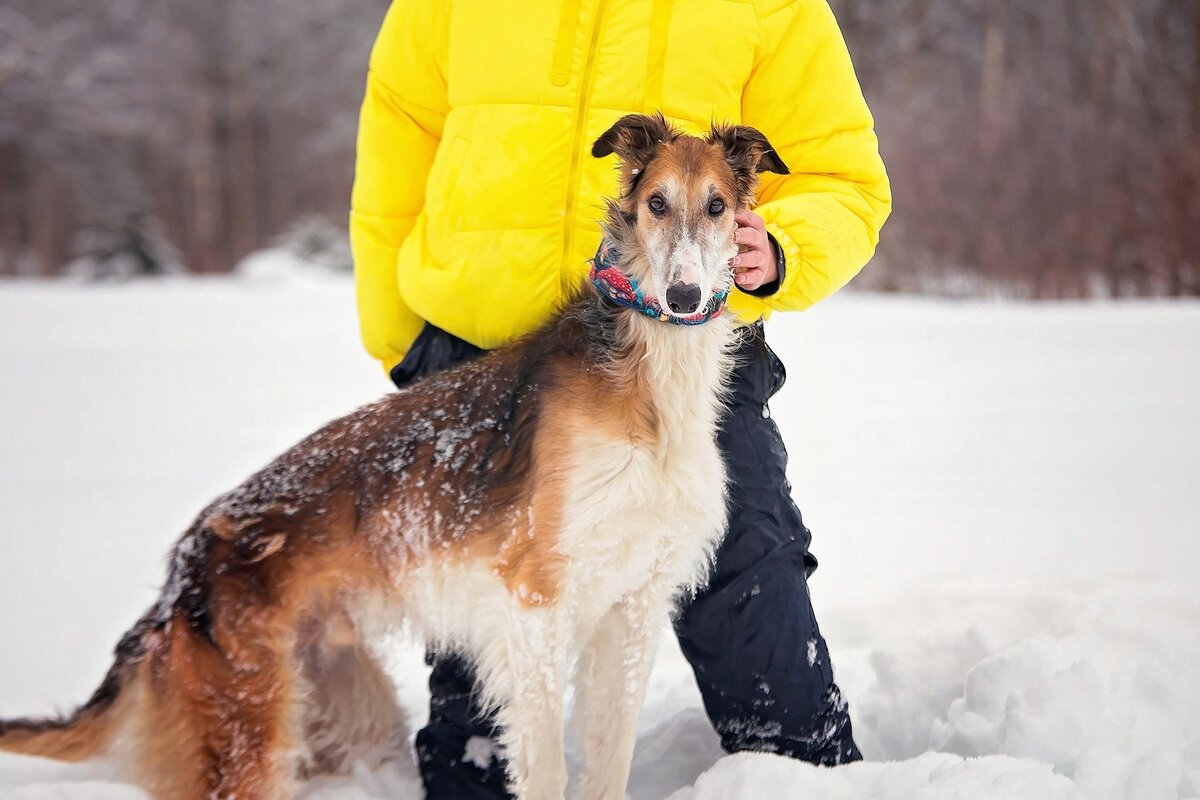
(1037, 148)
(204, 128)
(1044, 149)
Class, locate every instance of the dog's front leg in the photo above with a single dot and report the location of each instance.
(610, 686)
(523, 672)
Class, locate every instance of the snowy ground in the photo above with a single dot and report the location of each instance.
(1004, 500)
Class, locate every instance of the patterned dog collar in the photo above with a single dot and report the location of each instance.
(622, 289)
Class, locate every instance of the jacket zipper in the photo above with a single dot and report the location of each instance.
(585, 92)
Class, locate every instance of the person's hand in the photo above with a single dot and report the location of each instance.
(754, 265)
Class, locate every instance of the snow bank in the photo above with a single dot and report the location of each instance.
(932, 776)
(1089, 679)
(1002, 496)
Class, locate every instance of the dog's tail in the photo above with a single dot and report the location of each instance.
(89, 730)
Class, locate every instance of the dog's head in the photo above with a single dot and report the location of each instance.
(679, 194)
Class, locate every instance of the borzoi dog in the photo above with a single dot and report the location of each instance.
(537, 510)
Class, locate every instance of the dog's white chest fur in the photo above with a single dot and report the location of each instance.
(636, 516)
(646, 516)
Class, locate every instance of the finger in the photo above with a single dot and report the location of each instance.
(748, 219)
(752, 259)
(749, 279)
(749, 237)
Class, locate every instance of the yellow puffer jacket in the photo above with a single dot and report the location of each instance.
(476, 201)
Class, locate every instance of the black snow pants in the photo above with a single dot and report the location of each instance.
(760, 661)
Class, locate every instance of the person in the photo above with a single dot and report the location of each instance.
(474, 213)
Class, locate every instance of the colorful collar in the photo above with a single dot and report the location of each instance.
(622, 289)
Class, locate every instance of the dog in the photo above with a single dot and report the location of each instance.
(538, 510)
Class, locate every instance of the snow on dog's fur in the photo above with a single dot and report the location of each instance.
(537, 510)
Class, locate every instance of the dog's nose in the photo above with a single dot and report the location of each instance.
(683, 298)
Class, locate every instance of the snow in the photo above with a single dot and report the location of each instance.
(931, 775)
(1002, 497)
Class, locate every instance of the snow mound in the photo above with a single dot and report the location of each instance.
(273, 266)
(1084, 678)
(932, 776)
(674, 751)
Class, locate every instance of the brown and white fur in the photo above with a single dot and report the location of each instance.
(538, 510)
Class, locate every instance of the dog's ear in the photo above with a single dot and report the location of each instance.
(747, 149)
(635, 139)
(748, 153)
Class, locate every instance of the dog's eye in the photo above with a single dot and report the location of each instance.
(656, 204)
(716, 206)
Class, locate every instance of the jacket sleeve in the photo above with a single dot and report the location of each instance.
(399, 130)
(804, 96)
